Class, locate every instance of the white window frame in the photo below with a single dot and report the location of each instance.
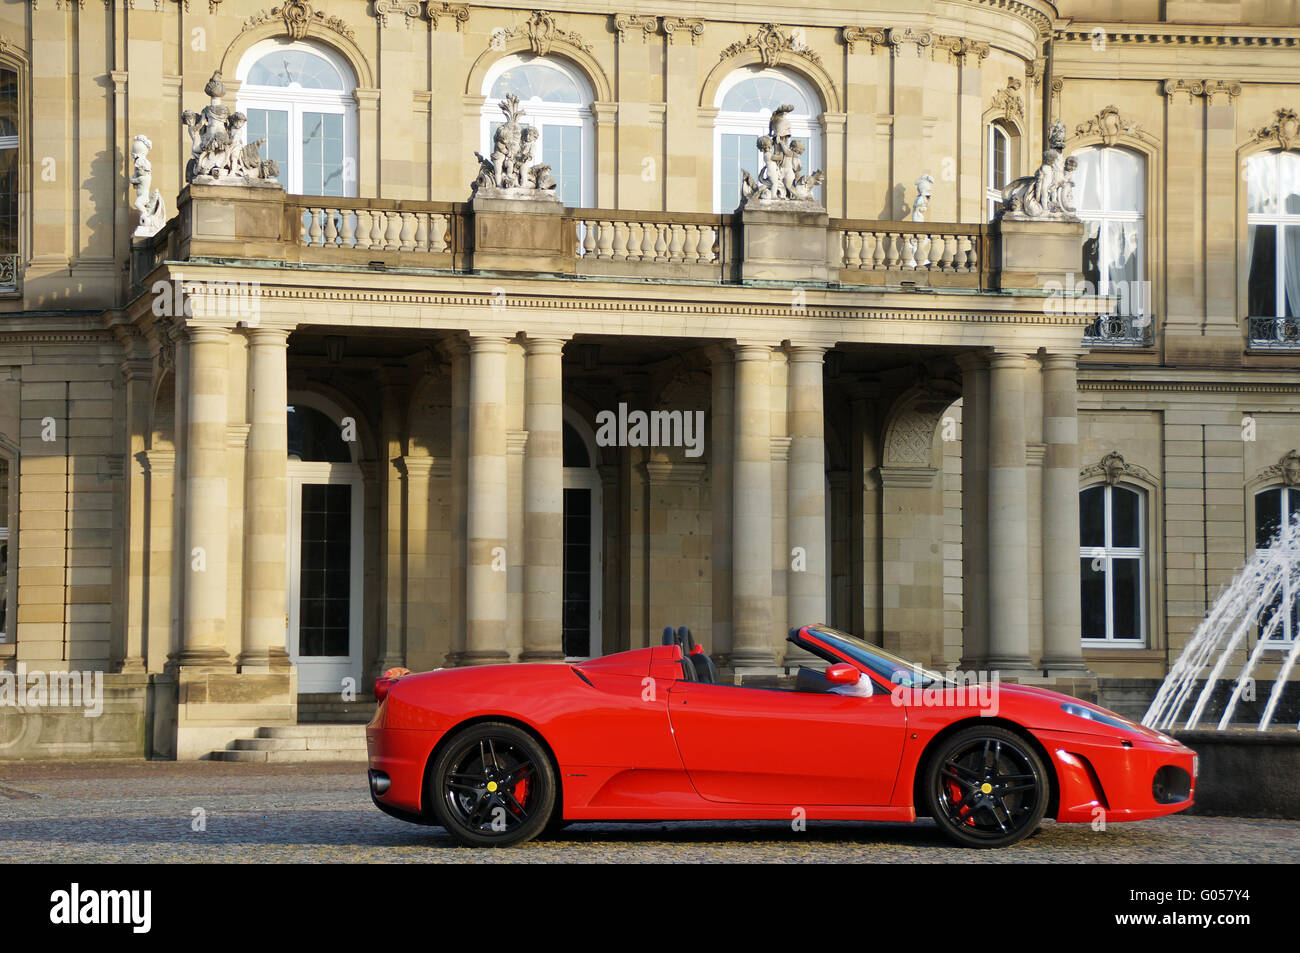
(732, 122)
(1282, 220)
(1103, 218)
(1108, 553)
(993, 194)
(296, 101)
(539, 113)
(1286, 636)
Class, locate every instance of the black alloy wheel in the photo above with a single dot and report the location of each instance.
(492, 785)
(986, 787)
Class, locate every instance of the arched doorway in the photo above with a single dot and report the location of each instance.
(324, 547)
(583, 540)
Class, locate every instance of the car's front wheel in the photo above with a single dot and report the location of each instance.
(986, 787)
(492, 785)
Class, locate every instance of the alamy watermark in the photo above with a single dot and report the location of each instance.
(656, 428)
(24, 689)
(958, 689)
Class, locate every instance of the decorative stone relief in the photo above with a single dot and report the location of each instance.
(959, 48)
(153, 213)
(1048, 194)
(541, 31)
(781, 183)
(299, 20)
(410, 9)
(637, 23)
(435, 11)
(509, 172)
(774, 44)
(1007, 100)
(853, 35)
(683, 26)
(1286, 469)
(917, 39)
(1113, 467)
(221, 153)
(1283, 130)
(1110, 126)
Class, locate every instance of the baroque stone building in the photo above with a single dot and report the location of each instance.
(285, 403)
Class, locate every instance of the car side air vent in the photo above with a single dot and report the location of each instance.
(577, 671)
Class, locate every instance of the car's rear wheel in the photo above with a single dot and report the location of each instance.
(492, 785)
(986, 787)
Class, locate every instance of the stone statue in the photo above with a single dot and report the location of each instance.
(1049, 192)
(781, 182)
(924, 189)
(510, 169)
(221, 154)
(153, 213)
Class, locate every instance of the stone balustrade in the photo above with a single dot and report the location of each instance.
(889, 253)
(345, 226)
(665, 244)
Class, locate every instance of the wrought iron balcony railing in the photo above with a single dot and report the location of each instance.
(1275, 334)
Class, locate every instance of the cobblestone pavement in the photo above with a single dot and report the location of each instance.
(142, 812)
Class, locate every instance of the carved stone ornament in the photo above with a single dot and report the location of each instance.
(692, 27)
(959, 48)
(509, 172)
(917, 39)
(153, 212)
(1286, 469)
(541, 31)
(646, 26)
(299, 20)
(1113, 467)
(853, 35)
(221, 153)
(408, 9)
(1048, 194)
(781, 185)
(1110, 126)
(1284, 129)
(1007, 100)
(773, 44)
(924, 189)
(435, 11)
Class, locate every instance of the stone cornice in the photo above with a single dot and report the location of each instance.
(674, 473)
(1189, 387)
(1163, 34)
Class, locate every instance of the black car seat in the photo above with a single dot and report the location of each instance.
(704, 667)
(811, 680)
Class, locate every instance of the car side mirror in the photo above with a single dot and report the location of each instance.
(843, 674)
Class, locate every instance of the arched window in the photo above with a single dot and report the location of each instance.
(1271, 508)
(1273, 247)
(8, 182)
(556, 100)
(997, 172)
(1112, 554)
(299, 98)
(745, 102)
(1110, 191)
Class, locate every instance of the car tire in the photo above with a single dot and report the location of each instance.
(492, 785)
(986, 787)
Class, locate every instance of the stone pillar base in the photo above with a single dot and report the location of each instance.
(522, 233)
(264, 663)
(213, 709)
(1034, 252)
(481, 658)
(784, 245)
(541, 657)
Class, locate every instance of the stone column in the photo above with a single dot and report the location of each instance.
(266, 524)
(486, 511)
(543, 502)
(974, 508)
(203, 623)
(459, 496)
(160, 465)
(752, 511)
(1008, 562)
(806, 507)
(1062, 649)
(720, 462)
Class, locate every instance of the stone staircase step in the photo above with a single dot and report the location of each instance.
(326, 741)
(313, 731)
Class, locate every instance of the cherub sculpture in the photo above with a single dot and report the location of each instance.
(153, 213)
(511, 165)
(219, 153)
(781, 177)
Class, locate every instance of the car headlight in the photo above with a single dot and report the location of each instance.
(1078, 711)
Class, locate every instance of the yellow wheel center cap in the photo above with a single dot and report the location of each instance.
(492, 786)
(985, 787)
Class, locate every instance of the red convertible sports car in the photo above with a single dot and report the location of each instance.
(499, 754)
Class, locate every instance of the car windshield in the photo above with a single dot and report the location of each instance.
(886, 665)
